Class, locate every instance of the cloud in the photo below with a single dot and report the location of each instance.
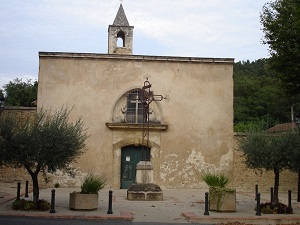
(6, 78)
(212, 28)
(195, 27)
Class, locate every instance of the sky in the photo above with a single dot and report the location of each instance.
(193, 28)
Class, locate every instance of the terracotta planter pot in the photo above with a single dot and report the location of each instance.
(222, 199)
(79, 201)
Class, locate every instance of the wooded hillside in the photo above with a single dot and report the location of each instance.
(260, 99)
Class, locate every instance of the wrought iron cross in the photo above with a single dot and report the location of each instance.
(147, 96)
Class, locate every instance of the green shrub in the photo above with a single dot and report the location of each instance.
(92, 183)
(280, 208)
(41, 205)
(215, 180)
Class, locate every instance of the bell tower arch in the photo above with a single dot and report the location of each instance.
(120, 35)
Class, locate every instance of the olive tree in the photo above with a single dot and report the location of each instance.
(44, 142)
(295, 157)
(270, 152)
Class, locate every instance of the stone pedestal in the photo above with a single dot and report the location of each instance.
(144, 189)
(144, 192)
(144, 172)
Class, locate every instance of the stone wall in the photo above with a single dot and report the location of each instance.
(12, 175)
(245, 179)
(24, 112)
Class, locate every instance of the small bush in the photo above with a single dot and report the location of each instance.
(41, 205)
(56, 185)
(280, 208)
(92, 183)
(215, 180)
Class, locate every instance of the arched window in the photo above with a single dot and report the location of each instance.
(134, 107)
(129, 109)
(121, 39)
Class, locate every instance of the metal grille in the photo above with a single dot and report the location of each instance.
(134, 107)
(129, 109)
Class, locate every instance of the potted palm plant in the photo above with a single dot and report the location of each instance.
(221, 198)
(87, 198)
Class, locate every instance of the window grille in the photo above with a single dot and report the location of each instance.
(128, 109)
(134, 107)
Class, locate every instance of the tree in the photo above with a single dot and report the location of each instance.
(45, 142)
(295, 158)
(281, 27)
(260, 100)
(20, 93)
(269, 152)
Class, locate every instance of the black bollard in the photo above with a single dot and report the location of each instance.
(258, 211)
(272, 194)
(256, 190)
(110, 202)
(26, 189)
(18, 191)
(206, 213)
(290, 199)
(52, 210)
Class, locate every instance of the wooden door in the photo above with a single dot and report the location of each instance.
(131, 155)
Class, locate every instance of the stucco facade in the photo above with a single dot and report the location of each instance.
(195, 131)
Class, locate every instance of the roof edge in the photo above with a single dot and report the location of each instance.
(135, 57)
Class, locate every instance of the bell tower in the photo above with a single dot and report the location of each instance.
(120, 35)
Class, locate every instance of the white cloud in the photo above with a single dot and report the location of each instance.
(212, 28)
(6, 78)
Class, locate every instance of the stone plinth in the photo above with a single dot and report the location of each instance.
(144, 172)
(144, 192)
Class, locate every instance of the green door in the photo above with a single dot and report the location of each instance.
(131, 155)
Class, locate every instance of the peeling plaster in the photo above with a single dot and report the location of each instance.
(196, 161)
(169, 166)
(65, 180)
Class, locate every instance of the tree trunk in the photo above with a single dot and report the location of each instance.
(298, 197)
(276, 185)
(35, 184)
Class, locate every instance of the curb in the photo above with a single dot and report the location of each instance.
(260, 220)
(123, 215)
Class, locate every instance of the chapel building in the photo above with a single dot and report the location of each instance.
(190, 129)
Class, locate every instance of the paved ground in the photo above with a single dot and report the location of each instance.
(178, 206)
